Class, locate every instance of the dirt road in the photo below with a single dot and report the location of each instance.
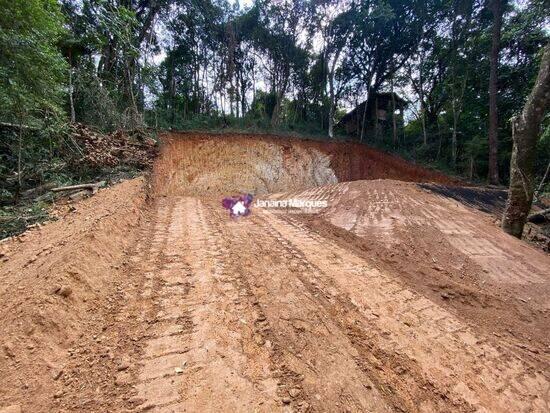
(263, 314)
(393, 298)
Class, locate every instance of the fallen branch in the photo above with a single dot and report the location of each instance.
(39, 190)
(539, 217)
(15, 126)
(93, 187)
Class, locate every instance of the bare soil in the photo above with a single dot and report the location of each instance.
(393, 298)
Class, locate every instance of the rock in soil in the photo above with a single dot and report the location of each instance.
(64, 291)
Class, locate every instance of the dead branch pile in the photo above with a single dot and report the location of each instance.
(94, 149)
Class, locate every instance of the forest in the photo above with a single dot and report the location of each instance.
(461, 70)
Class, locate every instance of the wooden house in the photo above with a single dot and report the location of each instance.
(375, 115)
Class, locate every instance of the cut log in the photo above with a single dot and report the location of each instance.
(539, 217)
(93, 187)
(39, 190)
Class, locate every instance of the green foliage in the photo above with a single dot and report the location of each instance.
(449, 76)
(95, 103)
(15, 219)
(31, 67)
(263, 105)
(32, 71)
(275, 66)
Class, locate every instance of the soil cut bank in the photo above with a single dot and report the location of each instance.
(393, 298)
(199, 164)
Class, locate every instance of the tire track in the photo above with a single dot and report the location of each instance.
(399, 378)
(225, 370)
(460, 364)
(168, 322)
(313, 360)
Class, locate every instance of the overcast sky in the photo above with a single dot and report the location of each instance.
(242, 3)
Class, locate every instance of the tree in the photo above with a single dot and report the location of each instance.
(31, 67)
(383, 37)
(333, 21)
(526, 130)
(276, 36)
(112, 39)
(497, 8)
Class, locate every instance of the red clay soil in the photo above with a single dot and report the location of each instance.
(354, 161)
(390, 299)
(273, 164)
(61, 287)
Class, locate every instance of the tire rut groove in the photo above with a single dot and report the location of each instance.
(452, 350)
(159, 381)
(302, 336)
(286, 378)
(407, 390)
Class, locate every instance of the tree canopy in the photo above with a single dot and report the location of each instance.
(280, 65)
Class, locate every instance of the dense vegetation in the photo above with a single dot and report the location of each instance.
(279, 65)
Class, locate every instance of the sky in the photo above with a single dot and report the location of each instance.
(242, 3)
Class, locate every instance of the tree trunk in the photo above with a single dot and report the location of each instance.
(525, 133)
(20, 155)
(402, 117)
(363, 122)
(148, 21)
(275, 116)
(331, 107)
(454, 140)
(71, 98)
(394, 120)
(496, 7)
(332, 97)
(423, 118)
(422, 105)
(243, 96)
(331, 123)
(376, 118)
(439, 143)
(541, 185)
(71, 88)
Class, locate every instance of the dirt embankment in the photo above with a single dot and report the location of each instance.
(58, 285)
(199, 164)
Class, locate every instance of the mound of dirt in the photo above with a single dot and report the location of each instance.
(443, 247)
(206, 164)
(58, 283)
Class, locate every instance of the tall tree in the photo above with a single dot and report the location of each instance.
(332, 21)
(526, 131)
(497, 8)
(383, 38)
(276, 37)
